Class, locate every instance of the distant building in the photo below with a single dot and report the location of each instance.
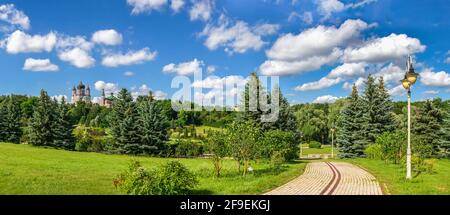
(106, 101)
(81, 93)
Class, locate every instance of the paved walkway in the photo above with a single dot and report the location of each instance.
(331, 178)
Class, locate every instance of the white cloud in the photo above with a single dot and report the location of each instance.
(159, 95)
(311, 49)
(348, 70)
(128, 73)
(391, 74)
(359, 83)
(384, 49)
(39, 65)
(146, 6)
(211, 69)
(280, 67)
(216, 82)
(325, 99)
(144, 90)
(435, 79)
(447, 60)
(318, 85)
(59, 98)
(236, 37)
(201, 10)
(108, 87)
(78, 57)
(107, 37)
(130, 58)
(69, 42)
(10, 15)
(306, 17)
(185, 68)
(431, 92)
(176, 5)
(397, 91)
(327, 7)
(20, 42)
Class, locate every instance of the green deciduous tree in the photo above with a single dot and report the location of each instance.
(243, 139)
(216, 144)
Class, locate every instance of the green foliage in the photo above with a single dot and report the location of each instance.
(41, 125)
(314, 145)
(89, 139)
(63, 128)
(426, 130)
(173, 179)
(393, 146)
(243, 138)
(377, 110)
(153, 127)
(312, 123)
(185, 148)
(374, 151)
(218, 147)
(350, 133)
(444, 140)
(10, 115)
(279, 142)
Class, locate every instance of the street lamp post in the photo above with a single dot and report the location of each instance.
(409, 80)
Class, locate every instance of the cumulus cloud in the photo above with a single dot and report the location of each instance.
(14, 17)
(78, 57)
(320, 84)
(384, 49)
(185, 68)
(176, 5)
(211, 69)
(236, 37)
(201, 10)
(311, 49)
(59, 98)
(130, 58)
(306, 17)
(108, 87)
(65, 42)
(107, 37)
(391, 74)
(359, 83)
(39, 65)
(435, 79)
(216, 82)
(325, 99)
(327, 7)
(20, 42)
(397, 91)
(146, 6)
(144, 90)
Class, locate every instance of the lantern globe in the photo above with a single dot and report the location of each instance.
(405, 83)
(412, 77)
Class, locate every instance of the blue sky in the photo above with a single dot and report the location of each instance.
(318, 48)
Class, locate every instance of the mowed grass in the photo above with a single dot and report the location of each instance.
(392, 178)
(326, 149)
(26, 169)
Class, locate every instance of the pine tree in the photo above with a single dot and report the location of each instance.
(13, 131)
(286, 118)
(252, 106)
(62, 127)
(350, 135)
(444, 141)
(124, 126)
(41, 124)
(377, 106)
(426, 130)
(3, 127)
(153, 126)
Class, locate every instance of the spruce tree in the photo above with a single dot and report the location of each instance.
(124, 124)
(350, 135)
(286, 118)
(41, 124)
(377, 107)
(444, 141)
(252, 106)
(426, 130)
(153, 127)
(62, 127)
(13, 131)
(3, 127)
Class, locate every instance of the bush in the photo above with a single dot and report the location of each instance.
(392, 146)
(187, 148)
(280, 142)
(374, 152)
(172, 179)
(315, 145)
(277, 160)
(91, 139)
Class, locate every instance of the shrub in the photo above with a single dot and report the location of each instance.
(277, 159)
(315, 145)
(392, 146)
(91, 139)
(172, 179)
(280, 142)
(374, 152)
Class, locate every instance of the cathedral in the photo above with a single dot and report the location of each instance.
(81, 93)
(106, 101)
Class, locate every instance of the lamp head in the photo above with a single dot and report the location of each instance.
(405, 83)
(412, 77)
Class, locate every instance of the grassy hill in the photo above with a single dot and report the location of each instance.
(26, 169)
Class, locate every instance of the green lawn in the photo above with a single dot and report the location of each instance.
(392, 178)
(326, 149)
(30, 170)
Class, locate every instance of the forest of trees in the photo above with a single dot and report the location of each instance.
(144, 125)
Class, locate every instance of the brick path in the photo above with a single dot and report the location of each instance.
(331, 178)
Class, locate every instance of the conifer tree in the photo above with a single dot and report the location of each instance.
(444, 142)
(252, 106)
(41, 124)
(124, 124)
(350, 133)
(13, 131)
(3, 127)
(426, 130)
(62, 127)
(377, 108)
(153, 127)
(286, 118)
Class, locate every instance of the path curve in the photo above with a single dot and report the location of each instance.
(331, 178)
